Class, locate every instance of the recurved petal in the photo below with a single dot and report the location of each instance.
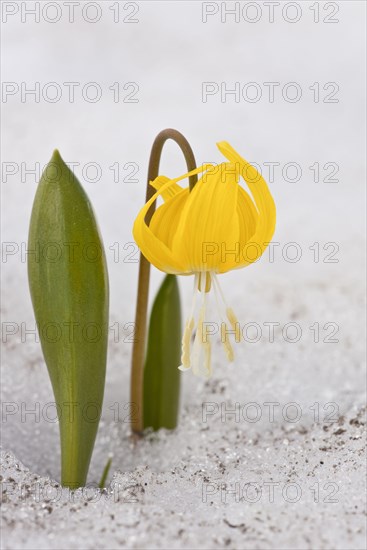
(247, 221)
(208, 221)
(253, 248)
(166, 218)
(248, 215)
(155, 250)
(170, 192)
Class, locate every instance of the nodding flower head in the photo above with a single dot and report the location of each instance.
(212, 229)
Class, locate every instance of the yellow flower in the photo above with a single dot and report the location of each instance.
(212, 229)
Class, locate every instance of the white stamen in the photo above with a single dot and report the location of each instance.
(186, 343)
(198, 356)
(226, 312)
(198, 342)
(189, 327)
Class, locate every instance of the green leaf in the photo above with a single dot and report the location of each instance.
(68, 282)
(161, 374)
(105, 473)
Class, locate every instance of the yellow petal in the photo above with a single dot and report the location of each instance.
(247, 219)
(170, 192)
(248, 215)
(252, 249)
(154, 249)
(208, 219)
(166, 218)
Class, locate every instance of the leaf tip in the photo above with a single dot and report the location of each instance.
(56, 157)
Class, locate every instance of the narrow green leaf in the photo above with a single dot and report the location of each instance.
(105, 473)
(68, 282)
(161, 374)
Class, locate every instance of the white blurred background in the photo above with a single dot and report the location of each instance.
(168, 53)
(162, 53)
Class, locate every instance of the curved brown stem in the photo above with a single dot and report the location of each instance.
(137, 363)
